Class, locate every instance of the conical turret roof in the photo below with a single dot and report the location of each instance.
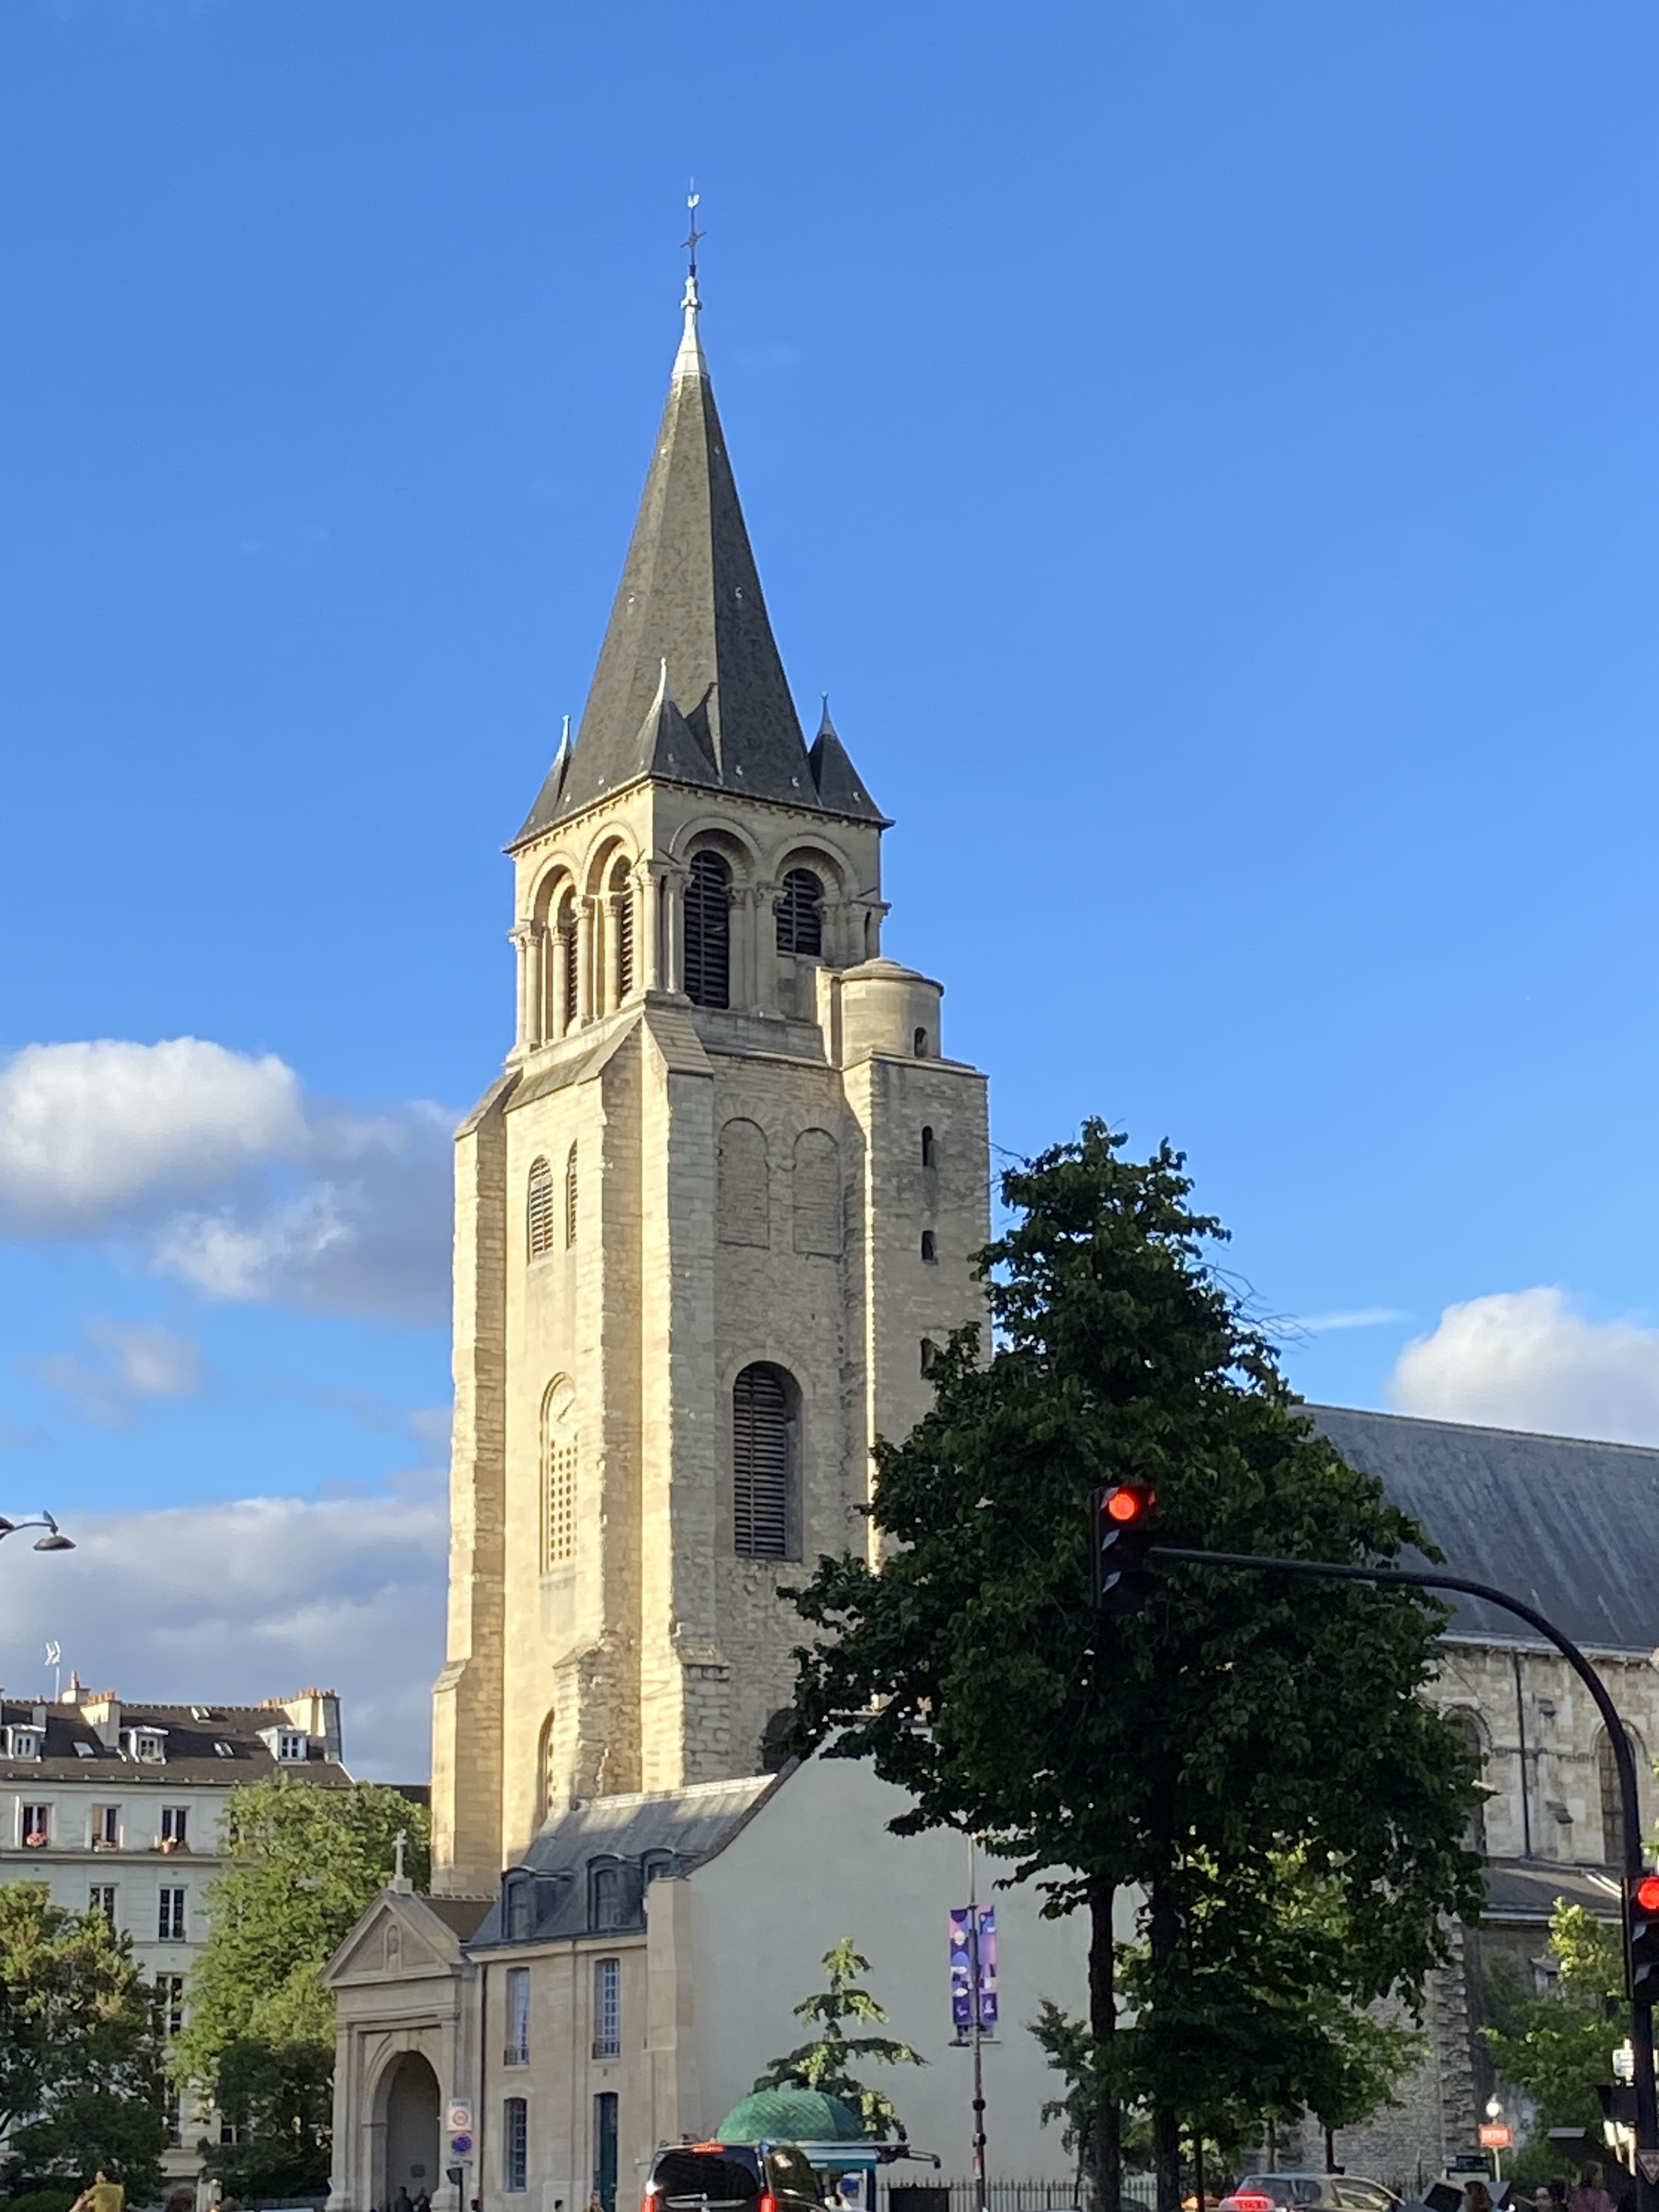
(689, 654)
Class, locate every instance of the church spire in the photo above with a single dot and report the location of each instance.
(689, 623)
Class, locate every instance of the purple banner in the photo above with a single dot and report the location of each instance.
(973, 1967)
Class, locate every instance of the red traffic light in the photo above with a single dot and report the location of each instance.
(1129, 1502)
(1645, 1893)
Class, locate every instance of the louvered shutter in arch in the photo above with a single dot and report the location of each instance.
(817, 1194)
(570, 945)
(622, 907)
(742, 1206)
(760, 1464)
(801, 913)
(708, 931)
(538, 1210)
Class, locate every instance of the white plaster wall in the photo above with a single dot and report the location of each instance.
(817, 1863)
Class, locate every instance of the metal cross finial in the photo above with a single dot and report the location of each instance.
(397, 1843)
(694, 237)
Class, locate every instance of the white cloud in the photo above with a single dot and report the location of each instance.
(227, 1603)
(138, 1362)
(90, 1132)
(1525, 1360)
(228, 1175)
(1352, 1317)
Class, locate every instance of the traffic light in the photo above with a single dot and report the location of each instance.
(1123, 1534)
(1642, 1933)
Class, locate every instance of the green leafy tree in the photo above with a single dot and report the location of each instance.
(81, 2083)
(826, 2063)
(1560, 2049)
(1243, 1732)
(259, 2038)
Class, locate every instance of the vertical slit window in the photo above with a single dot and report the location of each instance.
(760, 1464)
(559, 1520)
(929, 1247)
(570, 1199)
(538, 1210)
(801, 913)
(708, 931)
(518, 2016)
(515, 2145)
(929, 1151)
(929, 1354)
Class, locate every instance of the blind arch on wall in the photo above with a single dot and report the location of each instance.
(538, 1210)
(743, 1209)
(817, 1194)
(764, 1452)
(801, 913)
(708, 931)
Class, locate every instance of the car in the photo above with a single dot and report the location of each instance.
(722, 2177)
(1309, 2192)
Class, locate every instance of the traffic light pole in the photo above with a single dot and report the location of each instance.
(1641, 2027)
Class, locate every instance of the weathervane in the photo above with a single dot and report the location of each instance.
(693, 237)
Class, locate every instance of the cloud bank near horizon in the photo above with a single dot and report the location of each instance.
(1527, 1360)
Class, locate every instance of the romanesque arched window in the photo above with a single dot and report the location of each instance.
(1468, 1731)
(538, 1210)
(1612, 1802)
(742, 1207)
(621, 911)
(570, 1199)
(708, 931)
(763, 1514)
(546, 1779)
(801, 913)
(559, 1464)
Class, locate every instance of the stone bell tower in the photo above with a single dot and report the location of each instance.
(710, 1221)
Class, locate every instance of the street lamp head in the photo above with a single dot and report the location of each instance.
(55, 1542)
(6, 1527)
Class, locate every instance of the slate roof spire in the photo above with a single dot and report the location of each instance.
(689, 684)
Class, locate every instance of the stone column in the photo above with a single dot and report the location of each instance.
(764, 898)
(674, 881)
(586, 934)
(651, 904)
(521, 937)
(536, 987)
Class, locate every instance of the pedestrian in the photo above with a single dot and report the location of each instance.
(103, 2196)
(1590, 2196)
(422, 2202)
(1542, 2201)
(401, 2201)
(1477, 2197)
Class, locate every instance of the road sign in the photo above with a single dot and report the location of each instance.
(461, 2115)
(1648, 2160)
(1494, 2135)
(460, 2145)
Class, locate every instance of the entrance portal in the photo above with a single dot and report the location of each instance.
(412, 2130)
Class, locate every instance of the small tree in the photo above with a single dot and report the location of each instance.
(826, 2063)
(305, 1862)
(1560, 2049)
(81, 2083)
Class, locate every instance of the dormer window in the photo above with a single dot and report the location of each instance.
(292, 1745)
(518, 1905)
(148, 1745)
(24, 1742)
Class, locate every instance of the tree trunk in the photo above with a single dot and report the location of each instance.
(1163, 1931)
(1103, 2023)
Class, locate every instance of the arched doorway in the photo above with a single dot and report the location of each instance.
(410, 2091)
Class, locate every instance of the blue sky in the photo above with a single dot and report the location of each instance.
(1208, 454)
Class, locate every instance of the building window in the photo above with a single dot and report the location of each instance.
(605, 1897)
(518, 1902)
(929, 1150)
(568, 968)
(607, 2008)
(518, 2016)
(105, 1827)
(1466, 1729)
(291, 1746)
(1613, 1802)
(34, 1827)
(559, 1443)
(148, 1745)
(800, 913)
(570, 1199)
(538, 1210)
(708, 931)
(760, 1468)
(24, 1742)
(605, 2149)
(170, 2004)
(929, 1247)
(175, 1825)
(515, 2144)
(100, 1898)
(622, 908)
(546, 1766)
(919, 1044)
(170, 1925)
(929, 1354)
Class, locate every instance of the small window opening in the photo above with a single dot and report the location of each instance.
(538, 1210)
(708, 931)
(929, 1247)
(800, 913)
(919, 1044)
(760, 1464)
(929, 1354)
(570, 1199)
(622, 892)
(929, 1154)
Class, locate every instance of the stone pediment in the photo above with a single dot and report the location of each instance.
(401, 1937)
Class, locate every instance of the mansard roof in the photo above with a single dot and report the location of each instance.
(689, 686)
(1568, 1525)
(73, 1751)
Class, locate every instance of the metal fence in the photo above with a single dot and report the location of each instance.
(1004, 2195)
